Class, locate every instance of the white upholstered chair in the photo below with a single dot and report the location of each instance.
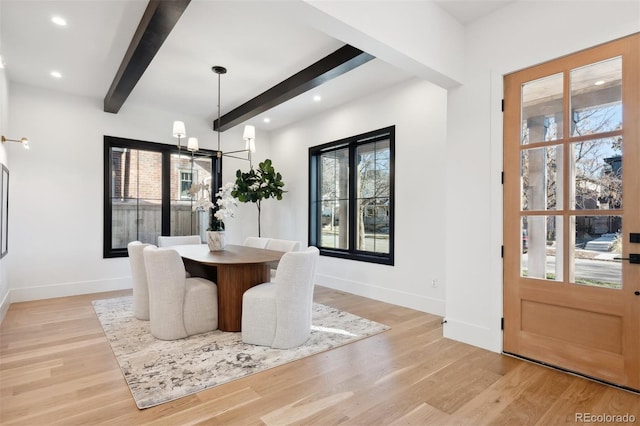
(176, 240)
(278, 314)
(281, 245)
(168, 241)
(178, 306)
(139, 280)
(256, 242)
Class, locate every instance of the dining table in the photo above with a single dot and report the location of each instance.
(235, 270)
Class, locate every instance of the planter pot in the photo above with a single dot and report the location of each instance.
(216, 240)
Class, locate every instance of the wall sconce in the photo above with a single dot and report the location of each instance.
(23, 141)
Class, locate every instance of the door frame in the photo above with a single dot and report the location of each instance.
(621, 370)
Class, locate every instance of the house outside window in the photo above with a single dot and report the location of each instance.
(351, 189)
(187, 177)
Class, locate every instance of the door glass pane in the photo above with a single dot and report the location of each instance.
(541, 170)
(596, 174)
(596, 98)
(334, 182)
(597, 243)
(542, 109)
(541, 247)
(136, 196)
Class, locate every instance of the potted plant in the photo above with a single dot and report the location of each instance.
(257, 185)
(216, 237)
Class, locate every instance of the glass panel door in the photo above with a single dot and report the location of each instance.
(571, 203)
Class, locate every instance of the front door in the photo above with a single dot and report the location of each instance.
(572, 212)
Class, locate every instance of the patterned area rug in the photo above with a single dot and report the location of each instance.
(159, 371)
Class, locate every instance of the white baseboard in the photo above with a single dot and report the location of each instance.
(472, 334)
(68, 289)
(400, 298)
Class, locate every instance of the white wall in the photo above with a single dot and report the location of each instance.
(4, 130)
(418, 110)
(521, 35)
(55, 239)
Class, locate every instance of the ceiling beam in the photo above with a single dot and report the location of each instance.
(157, 22)
(337, 63)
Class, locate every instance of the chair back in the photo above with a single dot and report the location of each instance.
(257, 242)
(283, 245)
(294, 294)
(139, 280)
(166, 278)
(168, 241)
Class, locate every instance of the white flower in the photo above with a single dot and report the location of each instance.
(224, 202)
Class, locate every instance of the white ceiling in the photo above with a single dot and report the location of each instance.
(258, 46)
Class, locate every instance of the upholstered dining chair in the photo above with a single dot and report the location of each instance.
(257, 242)
(139, 280)
(176, 240)
(178, 306)
(281, 245)
(168, 241)
(278, 313)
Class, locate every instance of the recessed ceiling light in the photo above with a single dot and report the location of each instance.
(599, 83)
(317, 98)
(59, 20)
(55, 74)
(267, 120)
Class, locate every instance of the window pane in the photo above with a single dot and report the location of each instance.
(541, 254)
(334, 185)
(596, 174)
(596, 98)
(184, 174)
(597, 244)
(374, 181)
(542, 109)
(136, 196)
(542, 178)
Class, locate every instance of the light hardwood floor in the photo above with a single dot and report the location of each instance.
(56, 367)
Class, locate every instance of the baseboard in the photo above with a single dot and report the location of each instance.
(400, 298)
(68, 289)
(472, 334)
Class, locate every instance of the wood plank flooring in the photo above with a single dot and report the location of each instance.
(56, 367)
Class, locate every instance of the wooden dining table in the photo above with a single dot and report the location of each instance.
(235, 270)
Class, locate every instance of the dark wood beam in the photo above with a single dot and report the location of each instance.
(157, 22)
(337, 63)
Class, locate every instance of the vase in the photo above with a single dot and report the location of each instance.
(216, 240)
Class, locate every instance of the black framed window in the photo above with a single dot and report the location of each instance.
(146, 191)
(351, 191)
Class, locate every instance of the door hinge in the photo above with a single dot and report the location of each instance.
(502, 106)
(502, 252)
(502, 323)
(502, 177)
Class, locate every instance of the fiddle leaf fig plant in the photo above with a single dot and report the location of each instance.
(257, 185)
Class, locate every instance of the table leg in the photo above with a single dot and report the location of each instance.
(233, 281)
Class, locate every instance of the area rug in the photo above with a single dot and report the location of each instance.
(159, 371)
